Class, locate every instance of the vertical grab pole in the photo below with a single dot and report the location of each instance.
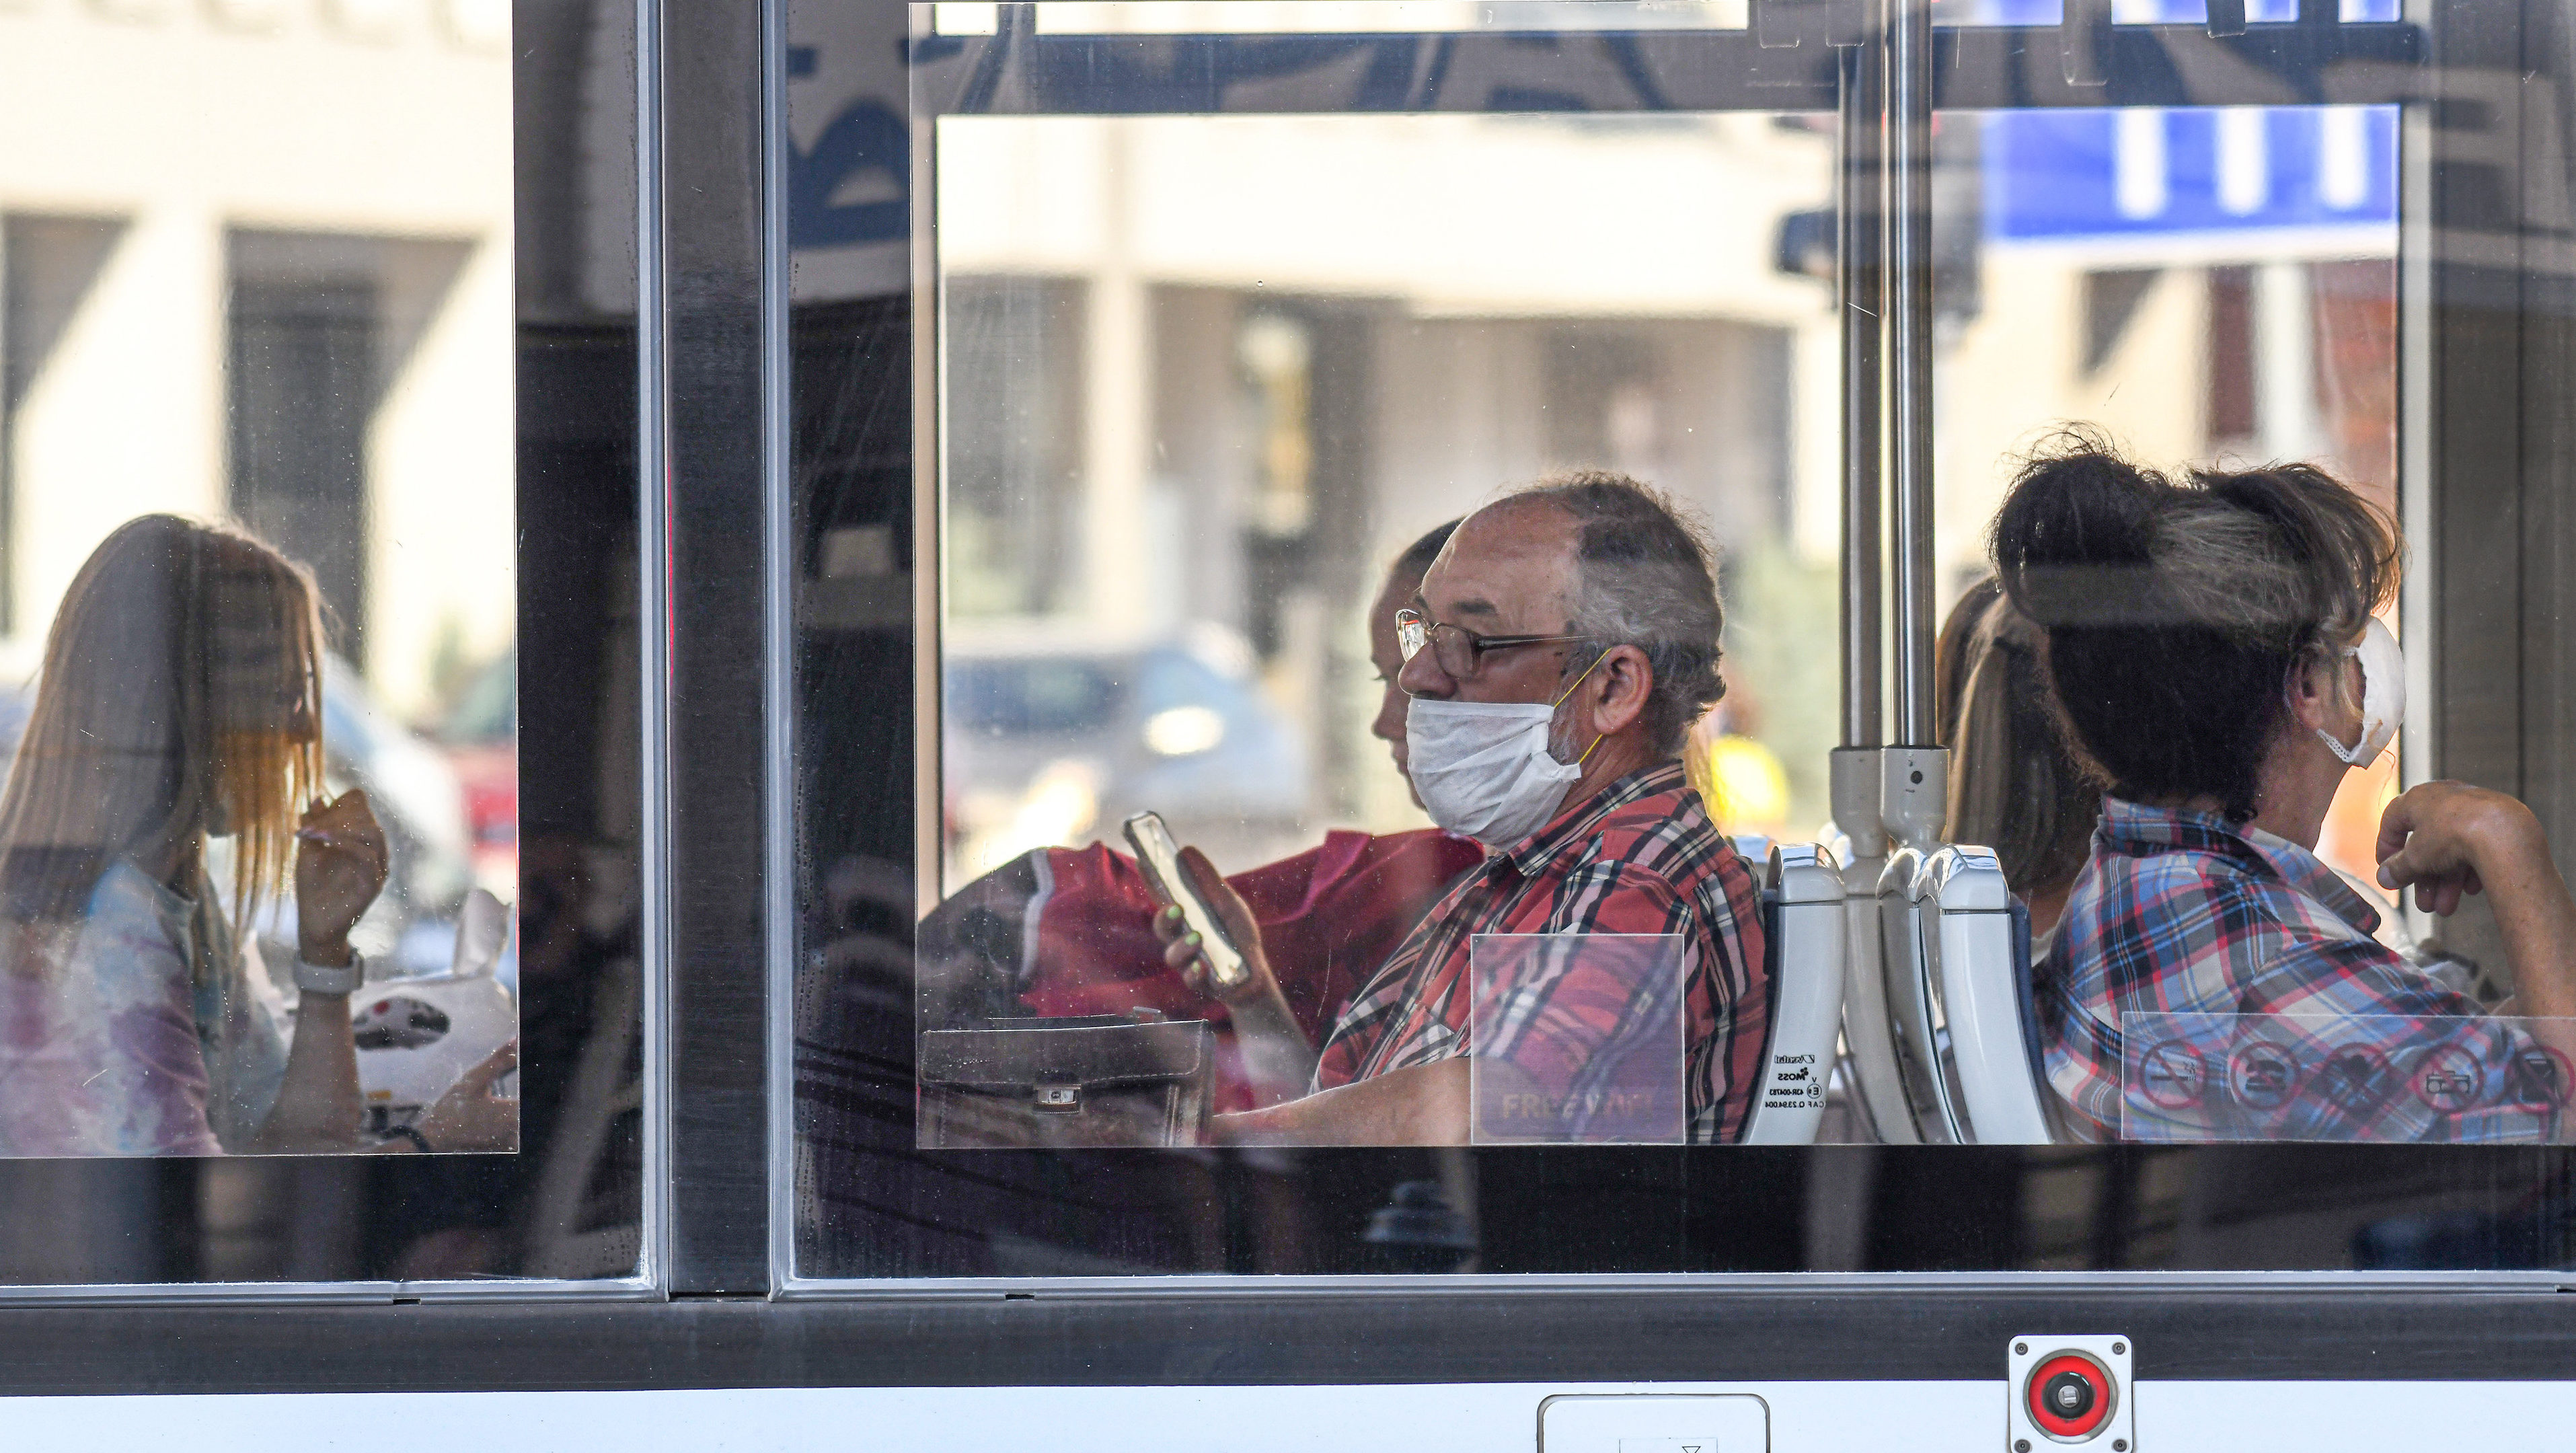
(1914, 785)
(1858, 246)
(1867, 1064)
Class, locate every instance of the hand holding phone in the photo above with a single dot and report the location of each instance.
(1159, 857)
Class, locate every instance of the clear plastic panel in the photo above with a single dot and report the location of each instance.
(2362, 1078)
(1576, 1039)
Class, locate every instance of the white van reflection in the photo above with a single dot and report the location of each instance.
(1048, 740)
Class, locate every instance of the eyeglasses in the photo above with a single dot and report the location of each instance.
(1458, 650)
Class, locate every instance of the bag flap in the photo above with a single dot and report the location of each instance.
(1084, 1054)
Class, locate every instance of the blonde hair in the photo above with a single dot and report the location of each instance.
(2014, 786)
(166, 706)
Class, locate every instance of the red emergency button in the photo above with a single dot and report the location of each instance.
(2070, 1396)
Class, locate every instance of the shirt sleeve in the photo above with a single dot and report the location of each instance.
(150, 1093)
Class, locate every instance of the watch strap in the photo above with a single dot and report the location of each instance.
(323, 979)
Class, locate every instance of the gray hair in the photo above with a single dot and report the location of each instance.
(1644, 577)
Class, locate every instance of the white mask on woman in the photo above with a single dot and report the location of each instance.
(1483, 768)
(2383, 696)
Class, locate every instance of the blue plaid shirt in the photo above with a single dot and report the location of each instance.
(2260, 1005)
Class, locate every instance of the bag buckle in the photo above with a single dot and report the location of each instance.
(1059, 1098)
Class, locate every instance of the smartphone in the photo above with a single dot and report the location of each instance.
(1160, 857)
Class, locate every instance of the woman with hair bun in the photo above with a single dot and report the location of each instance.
(2213, 651)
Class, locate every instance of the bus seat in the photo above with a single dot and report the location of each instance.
(1868, 1062)
(1924, 1109)
(1958, 986)
(1802, 922)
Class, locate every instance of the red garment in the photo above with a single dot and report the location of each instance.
(1329, 917)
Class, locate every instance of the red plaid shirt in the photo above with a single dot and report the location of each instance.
(1639, 857)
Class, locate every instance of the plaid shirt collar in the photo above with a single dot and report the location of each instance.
(2142, 831)
(1573, 829)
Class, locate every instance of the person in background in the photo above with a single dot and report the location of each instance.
(1556, 656)
(180, 701)
(2014, 787)
(2213, 648)
(1070, 931)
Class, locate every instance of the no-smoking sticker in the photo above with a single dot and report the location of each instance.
(2172, 1075)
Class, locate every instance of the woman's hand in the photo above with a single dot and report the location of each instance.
(340, 861)
(2447, 839)
(1181, 947)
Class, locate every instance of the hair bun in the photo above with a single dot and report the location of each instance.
(2175, 611)
(2074, 543)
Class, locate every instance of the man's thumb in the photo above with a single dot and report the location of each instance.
(2398, 869)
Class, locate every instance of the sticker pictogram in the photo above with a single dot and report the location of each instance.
(2354, 1078)
(2447, 1079)
(2173, 1075)
(2263, 1075)
(2539, 1080)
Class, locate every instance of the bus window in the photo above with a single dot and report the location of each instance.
(299, 986)
(1187, 445)
(1353, 489)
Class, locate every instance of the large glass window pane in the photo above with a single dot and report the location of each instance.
(2244, 306)
(299, 984)
(1203, 317)
(1202, 380)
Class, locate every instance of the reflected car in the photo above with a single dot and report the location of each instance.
(480, 737)
(1051, 742)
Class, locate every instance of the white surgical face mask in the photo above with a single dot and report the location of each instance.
(2383, 696)
(1483, 768)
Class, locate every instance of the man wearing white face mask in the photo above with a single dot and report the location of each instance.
(1560, 649)
(2212, 646)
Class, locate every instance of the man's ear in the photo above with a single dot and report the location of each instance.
(2311, 690)
(1619, 688)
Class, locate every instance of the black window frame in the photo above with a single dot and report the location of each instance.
(714, 1308)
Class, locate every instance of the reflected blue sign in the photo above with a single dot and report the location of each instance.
(2148, 172)
(2151, 171)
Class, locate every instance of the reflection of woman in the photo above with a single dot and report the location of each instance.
(180, 700)
(2212, 647)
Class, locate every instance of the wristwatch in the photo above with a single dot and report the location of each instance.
(323, 979)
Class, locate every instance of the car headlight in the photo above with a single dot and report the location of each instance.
(1184, 731)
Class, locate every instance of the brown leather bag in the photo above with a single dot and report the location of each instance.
(1103, 1080)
